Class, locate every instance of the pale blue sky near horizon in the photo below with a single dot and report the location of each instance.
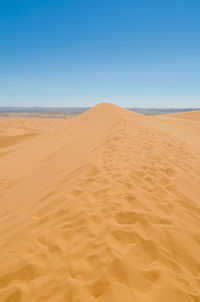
(143, 53)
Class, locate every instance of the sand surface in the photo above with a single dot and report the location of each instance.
(102, 207)
(193, 115)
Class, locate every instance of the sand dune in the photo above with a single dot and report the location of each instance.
(102, 207)
(192, 115)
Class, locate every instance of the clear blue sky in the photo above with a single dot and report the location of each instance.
(81, 52)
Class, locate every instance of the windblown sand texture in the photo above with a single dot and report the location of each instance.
(102, 207)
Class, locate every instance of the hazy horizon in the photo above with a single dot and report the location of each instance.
(63, 107)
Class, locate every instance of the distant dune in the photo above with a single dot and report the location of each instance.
(102, 207)
(192, 115)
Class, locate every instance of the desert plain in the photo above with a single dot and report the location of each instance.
(102, 207)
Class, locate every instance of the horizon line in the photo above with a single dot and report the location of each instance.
(126, 107)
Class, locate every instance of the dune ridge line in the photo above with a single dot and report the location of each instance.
(101, 207)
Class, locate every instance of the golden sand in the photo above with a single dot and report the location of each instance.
(102, 207)
(193, 115)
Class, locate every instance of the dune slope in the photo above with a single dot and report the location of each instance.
(191, 115)
(103, 207)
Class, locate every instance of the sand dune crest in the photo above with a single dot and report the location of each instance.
(101, 207)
